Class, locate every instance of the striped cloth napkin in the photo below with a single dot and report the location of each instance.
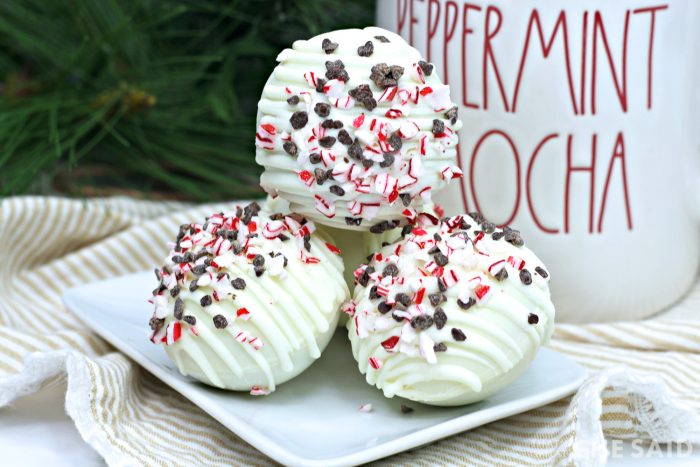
(644, 383)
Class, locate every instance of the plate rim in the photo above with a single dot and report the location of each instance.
(275, 451)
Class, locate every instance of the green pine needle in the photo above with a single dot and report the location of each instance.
(146, 97)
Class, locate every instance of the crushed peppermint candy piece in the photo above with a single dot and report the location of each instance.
(365, 408)
(259, 391)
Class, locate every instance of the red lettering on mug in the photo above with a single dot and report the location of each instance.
(466, 30)
(516, 157)
(618, 155)
(620, 84)
(546, 49)
(650, 54)
(528, 184)
(489, 56)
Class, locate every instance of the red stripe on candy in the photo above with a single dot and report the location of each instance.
(390, 343)
(333, 248)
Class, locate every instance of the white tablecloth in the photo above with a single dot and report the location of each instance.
(36, 431)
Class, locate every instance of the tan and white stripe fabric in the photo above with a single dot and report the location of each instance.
(648, 373)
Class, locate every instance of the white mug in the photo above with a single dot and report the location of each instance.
(580, 130)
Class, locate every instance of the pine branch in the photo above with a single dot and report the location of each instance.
(154, 96)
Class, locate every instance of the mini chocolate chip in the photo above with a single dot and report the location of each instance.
(259, 270)
(363, 95)
(320, 175)
(502, 274)
(451, 115)
(320, 82)
(526, 277)
(315, 158)
(322, 110)
(541, 272)
(441, 285)
(381, 39)
(533, 318)
(426, 68)
(373, 293)
(364, 279)
(328, 46)
(337, 190)
(299, 119)
(440, 259)
(251, 210)
(355, 150)
(395, 141)
(327, 141)
(206, 300)
(458, 335)
(258, 260)
(439, 347)
(439, 317)
(406, 409)
(436, 298)
(188, 257)
(403, 298)
(238, 283)
(353, 221)
(294, 100)
(384, 75)
(344, 137)
(330, 124)
(488, 227)
(388, 161)
(193, 284)
(177, 259)
(390, 270)
(421, 322)
(220, 321)
(478, 217)
(179, 308)
(406, 229)
(384, 307)
(200, 269)
(466, 305)
(438, 127)
(156, 323)
(189, 319)
(290, 148)
(366, 50)
(497, 235)
(367, 163)
(514, 239)
(379, 228)
(405, 199)
(175, 291)
(336, 70)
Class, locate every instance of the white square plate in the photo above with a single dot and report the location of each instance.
(306, 421)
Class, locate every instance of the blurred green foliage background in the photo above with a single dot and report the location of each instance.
(153, 98)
